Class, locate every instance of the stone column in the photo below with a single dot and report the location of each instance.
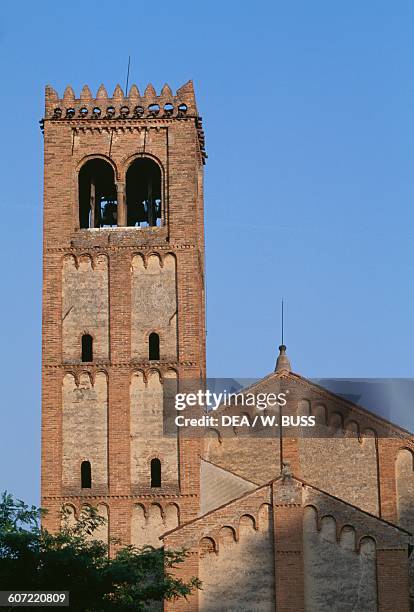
(122, 211)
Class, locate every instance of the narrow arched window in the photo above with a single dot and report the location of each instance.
(86, 476)
(98, 204)
(143, 193)
(155, 473)
(153, 347)
(87, 348)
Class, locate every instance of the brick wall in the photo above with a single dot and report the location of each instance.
(147, 439)
(97, 282)
(85, 306)
(335, 565)
(154, 306)
(85, 431)
(324, 554)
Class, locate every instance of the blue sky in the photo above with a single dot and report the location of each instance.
(308, 110)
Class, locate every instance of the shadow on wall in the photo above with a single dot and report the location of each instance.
(237, 566)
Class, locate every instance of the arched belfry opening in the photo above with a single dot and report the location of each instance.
(98, 206)
(143, 193)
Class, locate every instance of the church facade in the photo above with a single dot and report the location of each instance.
(282, 522)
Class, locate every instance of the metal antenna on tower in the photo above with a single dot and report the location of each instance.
(127, 79)
(282, 362)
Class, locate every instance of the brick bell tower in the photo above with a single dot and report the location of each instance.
(123, 305)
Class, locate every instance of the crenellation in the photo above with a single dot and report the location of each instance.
(137, 105)
(121, 107)
(85, 94)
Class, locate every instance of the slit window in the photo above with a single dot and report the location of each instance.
(143, 193)
(154, 347)
(155, 473)
(87, 348)
(98, 205)
(86, 476)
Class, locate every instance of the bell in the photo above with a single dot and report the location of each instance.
(109, 216)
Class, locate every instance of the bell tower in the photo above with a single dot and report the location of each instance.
(123, 304)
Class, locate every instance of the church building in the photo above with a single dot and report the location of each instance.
(284, 522)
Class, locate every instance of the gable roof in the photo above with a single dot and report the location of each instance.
(356, 408)
(280, 481)
(377, 422)
(219, 485)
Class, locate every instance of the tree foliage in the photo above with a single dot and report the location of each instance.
(33, 559)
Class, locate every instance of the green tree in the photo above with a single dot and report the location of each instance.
(31, 558)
